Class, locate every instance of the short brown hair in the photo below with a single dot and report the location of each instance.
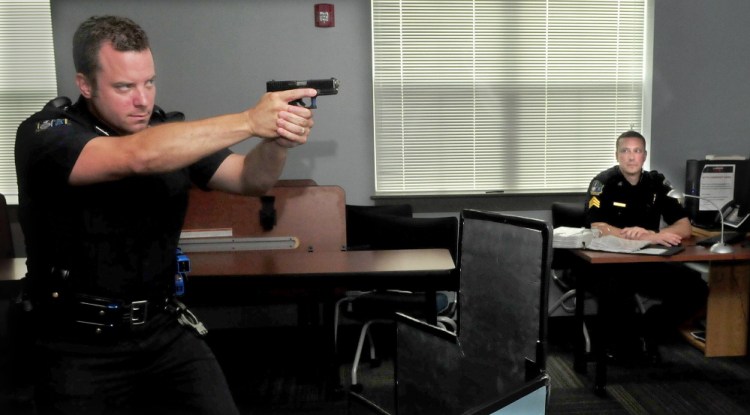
(630, 134)
(124, 35)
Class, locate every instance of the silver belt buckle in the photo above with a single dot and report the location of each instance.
(138, 312)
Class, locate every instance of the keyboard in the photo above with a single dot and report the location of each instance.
(730, 237)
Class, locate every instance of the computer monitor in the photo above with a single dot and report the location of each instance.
(721, 181)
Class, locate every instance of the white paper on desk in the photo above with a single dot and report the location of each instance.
(717, 185)
(571, 238)
(612, 243)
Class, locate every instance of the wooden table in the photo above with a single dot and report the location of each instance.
(417, 269)
(408, 268)
(231, 275)
(727, 307)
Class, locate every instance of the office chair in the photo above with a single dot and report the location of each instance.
(574, 215)
(359, 226)
(502, 333)
(563, 281)
(6, 235)
(375, 231)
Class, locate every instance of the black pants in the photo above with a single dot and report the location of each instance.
(682, 293)
(161, 368)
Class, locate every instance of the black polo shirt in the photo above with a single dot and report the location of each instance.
(612, 199)
(118, 238)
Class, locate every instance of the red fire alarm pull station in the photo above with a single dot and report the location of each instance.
(324, 15)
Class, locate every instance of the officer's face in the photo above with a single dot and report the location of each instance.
(631, 154)
(124, 93)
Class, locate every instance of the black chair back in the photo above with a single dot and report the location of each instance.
(6, 236)
(568, 214)
(359, 222)
(391, 228)
(501, 343)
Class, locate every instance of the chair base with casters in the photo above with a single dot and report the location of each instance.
(369, 306)
(573, 215)
(563, 303)
(383, 228)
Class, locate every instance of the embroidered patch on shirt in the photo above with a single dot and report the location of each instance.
(43, 125)
(619, 204)
(597, 188)
(594, 202)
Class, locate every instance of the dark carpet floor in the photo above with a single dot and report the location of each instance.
(285, 376)
(281, 371)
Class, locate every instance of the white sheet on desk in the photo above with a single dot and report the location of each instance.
(572, 238)
(612, 243)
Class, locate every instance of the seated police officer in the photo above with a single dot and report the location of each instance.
(630, 203)
(103, 188)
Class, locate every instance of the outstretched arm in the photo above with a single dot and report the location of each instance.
(172, 146)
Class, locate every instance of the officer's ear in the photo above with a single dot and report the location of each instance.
(84, 85)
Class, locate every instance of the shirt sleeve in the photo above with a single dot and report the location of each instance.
(671, 209)
(203, 170)
(48, 145)
(595, 202)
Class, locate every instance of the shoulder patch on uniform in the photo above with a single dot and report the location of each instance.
(46, 124)
(597, 188)
(594, 202)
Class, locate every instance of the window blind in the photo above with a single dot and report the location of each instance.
(27, 76)
(512, 96)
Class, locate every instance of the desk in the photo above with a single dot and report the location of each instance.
(405, 268)
(727, 307)
(409, 269)
(228, 272)
(231, 275)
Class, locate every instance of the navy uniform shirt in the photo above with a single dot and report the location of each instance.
(613, 200)
(118, 238)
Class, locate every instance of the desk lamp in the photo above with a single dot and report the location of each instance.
(719, 247)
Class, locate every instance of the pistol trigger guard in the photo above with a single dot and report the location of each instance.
(300, 103)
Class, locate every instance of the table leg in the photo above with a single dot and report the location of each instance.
(579, 342)
(333, 381)
(602, 335)
(600, 378)
(431, 307)
(727, 309)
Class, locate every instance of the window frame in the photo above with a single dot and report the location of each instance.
(27, 76)
(604, 156)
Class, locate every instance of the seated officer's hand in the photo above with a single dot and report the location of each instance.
(665, 238)
(635, 232)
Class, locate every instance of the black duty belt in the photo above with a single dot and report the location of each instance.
(101, 315)
(106, 318)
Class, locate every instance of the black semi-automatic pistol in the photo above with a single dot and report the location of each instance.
(328, 86)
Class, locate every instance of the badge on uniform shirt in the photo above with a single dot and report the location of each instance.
(43, 125)
(597, 188)
(619, 204)
(594, 202)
